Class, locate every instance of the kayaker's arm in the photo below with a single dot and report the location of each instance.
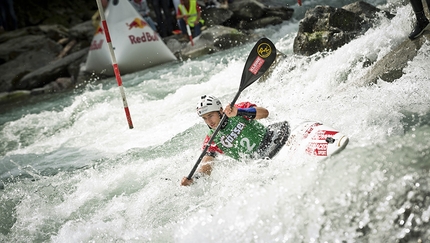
(204, 169)
(254, 112)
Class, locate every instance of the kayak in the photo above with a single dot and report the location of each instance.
(316, 140)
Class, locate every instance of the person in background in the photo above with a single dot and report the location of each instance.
(239, 135)
(164, 17)
(142, 8)
(189, 12)
(422, 23)
(6, 9)
(1, 24)
(95, 19)
(224, 4)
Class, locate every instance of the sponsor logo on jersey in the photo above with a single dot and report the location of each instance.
(228, 140)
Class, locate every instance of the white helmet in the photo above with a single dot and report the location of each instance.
(208, 104)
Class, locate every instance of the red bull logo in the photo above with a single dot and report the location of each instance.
(99, 30)
(137, 23)
(145, 37)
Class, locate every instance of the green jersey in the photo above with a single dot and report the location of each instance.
(239, 136)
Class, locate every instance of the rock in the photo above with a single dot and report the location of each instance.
(6, 97)
(260, 23)
(247, 10)
(247, 13)
(51, 72)
(52, 12)
(22, 57)
(282, 12)
(15, 47)
(83, 31)
(58, 85)
(391, 66)
(214, 39)
(366, 10)
(54, 32)
(216, 16)
(326, 28)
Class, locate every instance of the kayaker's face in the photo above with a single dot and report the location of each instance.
(212, 119)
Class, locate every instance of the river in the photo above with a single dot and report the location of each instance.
(72, 171)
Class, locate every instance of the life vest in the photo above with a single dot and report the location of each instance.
(192, 12)
(240, 137)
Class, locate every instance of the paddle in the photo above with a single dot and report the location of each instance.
(259, 60)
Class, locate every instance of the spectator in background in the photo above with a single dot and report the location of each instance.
(1, 23)
(96, 17)
(422, 21)
(7, 10)
(189, 13)
(164, 17)
(224, 4)
(142, 8)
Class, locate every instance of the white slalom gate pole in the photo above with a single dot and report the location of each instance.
(114, 64)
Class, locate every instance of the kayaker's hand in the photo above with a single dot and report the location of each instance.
(186, 182)
(230, 111)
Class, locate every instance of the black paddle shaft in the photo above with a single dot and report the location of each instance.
(259, 61)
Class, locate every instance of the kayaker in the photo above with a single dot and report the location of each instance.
(240, 136)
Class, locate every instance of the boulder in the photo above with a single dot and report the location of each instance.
(216, 16)
(51, 72)
(390, 67)
(326, 28)
(214, 39)
(260, 23)
(24, 56)
(252, 14)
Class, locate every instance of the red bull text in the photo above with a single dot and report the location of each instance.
(145, 37)
(95, 45)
